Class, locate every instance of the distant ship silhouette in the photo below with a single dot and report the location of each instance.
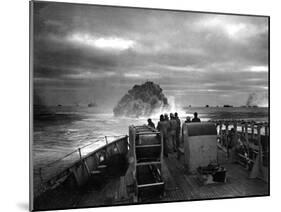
(92, 104)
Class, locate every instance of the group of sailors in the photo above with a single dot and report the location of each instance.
(170, 128)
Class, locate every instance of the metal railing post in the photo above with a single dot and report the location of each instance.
(80, 155)
(260, 144)
(226, 134)
(220, 132)
(247, 138)
(235, 134)
(252, 131)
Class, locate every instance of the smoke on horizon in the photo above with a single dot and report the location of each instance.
(256, 99)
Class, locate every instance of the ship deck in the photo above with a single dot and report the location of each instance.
(180, 186)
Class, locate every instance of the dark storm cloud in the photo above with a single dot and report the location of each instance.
(79, 46)
(55, 59)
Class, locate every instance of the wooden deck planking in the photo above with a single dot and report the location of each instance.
(181, 186)
(238, 184)
(173, 175)
(110, 194)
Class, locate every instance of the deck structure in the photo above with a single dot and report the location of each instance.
(112, 188)
(179, 186)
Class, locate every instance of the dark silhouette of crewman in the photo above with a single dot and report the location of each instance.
(163, 127)
(172, 131)
(187, 120)
(196, 119)
(166, 117)
(178, 130)
(230, 142)
(159, 125)
(150, 123)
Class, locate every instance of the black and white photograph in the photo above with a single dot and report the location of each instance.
(132, 105)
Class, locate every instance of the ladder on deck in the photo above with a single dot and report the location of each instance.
(146, 144)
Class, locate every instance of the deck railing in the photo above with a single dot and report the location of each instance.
(44, 174)
(247, 139)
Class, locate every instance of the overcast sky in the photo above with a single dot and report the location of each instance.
(84, 53)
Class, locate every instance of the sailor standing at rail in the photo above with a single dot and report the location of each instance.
(178, 130)
(187, 120)
(162, 127)
(230, 142)
(166, 117)
(150, 123)
(172, 131)
(196, 119)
